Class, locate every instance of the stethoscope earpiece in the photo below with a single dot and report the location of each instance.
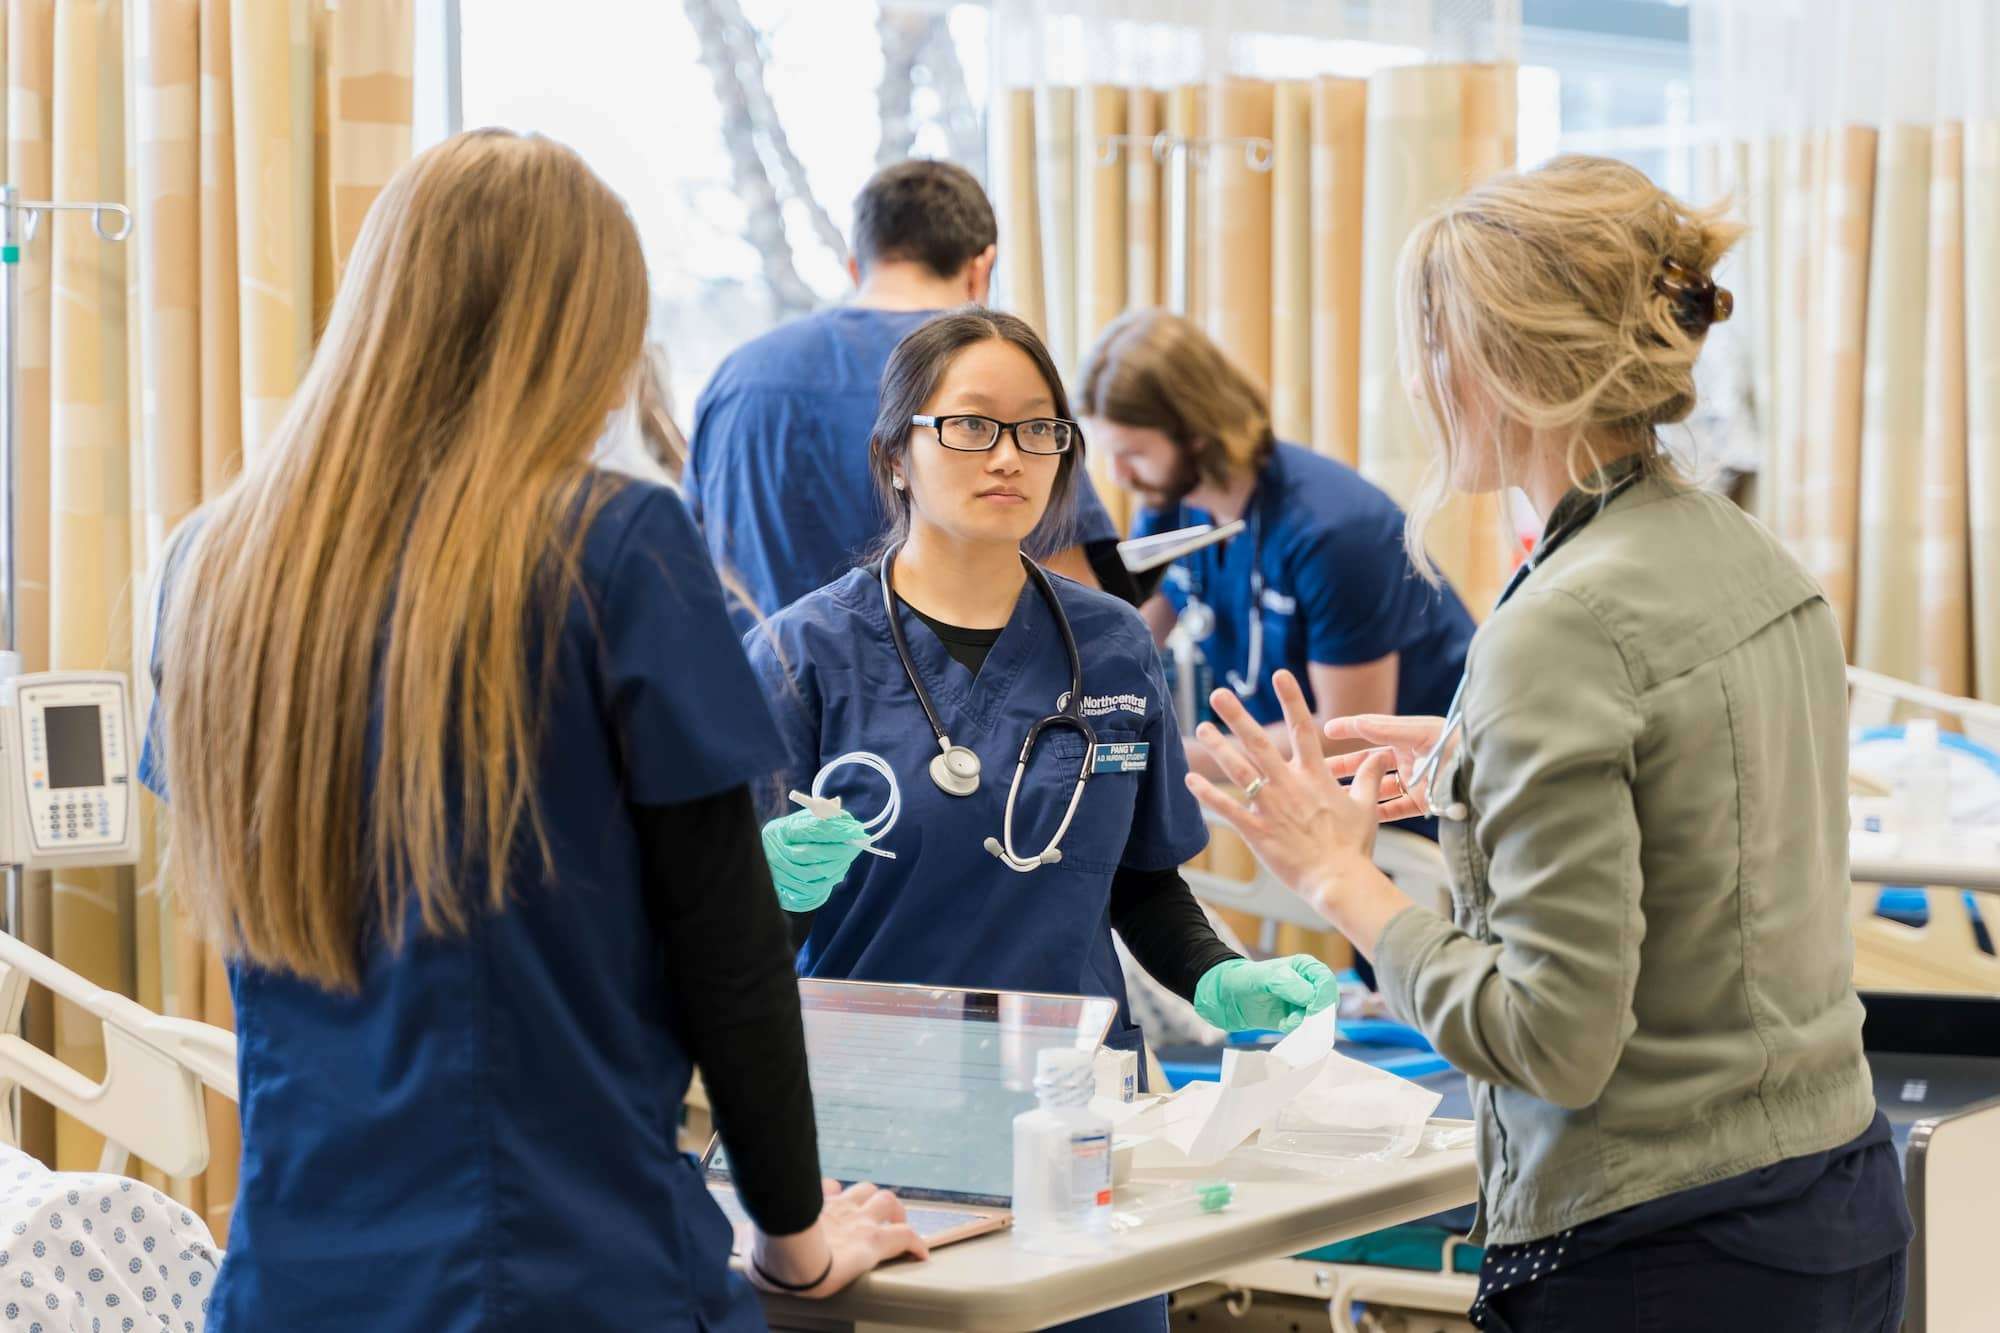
(1023, 863)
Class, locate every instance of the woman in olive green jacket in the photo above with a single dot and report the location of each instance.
(1648, 976)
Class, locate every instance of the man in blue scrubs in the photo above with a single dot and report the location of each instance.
(1318, 582)
(778, 475)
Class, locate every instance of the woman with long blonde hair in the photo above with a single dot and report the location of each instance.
(457, 750)
(1643, 785)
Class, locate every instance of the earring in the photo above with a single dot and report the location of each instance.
(897, 482)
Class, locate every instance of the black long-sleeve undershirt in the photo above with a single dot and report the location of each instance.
(1156, 915)
(736, 998)
(1112, 576)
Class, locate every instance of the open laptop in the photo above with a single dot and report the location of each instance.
(916, 1088)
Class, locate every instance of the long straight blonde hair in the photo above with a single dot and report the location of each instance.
(397, 550)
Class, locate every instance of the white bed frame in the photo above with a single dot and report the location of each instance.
(150, 1102)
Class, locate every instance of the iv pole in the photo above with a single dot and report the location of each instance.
(19, 220)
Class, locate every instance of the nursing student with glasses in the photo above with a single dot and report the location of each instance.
(1648, 975)
(1024, 717)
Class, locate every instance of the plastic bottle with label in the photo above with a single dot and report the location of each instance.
(1062, 1161)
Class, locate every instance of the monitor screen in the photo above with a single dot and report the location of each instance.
(76, 746)
(916, 1089)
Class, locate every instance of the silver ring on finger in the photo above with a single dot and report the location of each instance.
(1250, 792)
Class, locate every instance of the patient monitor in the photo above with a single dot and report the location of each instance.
(67, 769)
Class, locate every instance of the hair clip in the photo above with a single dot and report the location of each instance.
(1698, 302)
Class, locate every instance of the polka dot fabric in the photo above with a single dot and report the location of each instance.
(1508, 1266)
(86, 1253)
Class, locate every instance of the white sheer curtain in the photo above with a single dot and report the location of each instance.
(1180, 41)
(1862, 141)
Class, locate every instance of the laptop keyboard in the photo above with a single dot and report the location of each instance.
(930, 1222)
(927, 1222)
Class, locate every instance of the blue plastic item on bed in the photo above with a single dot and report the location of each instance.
(1908, 904)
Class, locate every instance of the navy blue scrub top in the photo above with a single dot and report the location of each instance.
(777, 475)
(1339, 588)
(484, 1137)
(946, 912)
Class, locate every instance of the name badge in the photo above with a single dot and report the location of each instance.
(1129, 757)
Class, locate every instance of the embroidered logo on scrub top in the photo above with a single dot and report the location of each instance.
(1278, 604)
(1104, 705)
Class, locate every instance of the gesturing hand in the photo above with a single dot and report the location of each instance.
(1405, 740)
(1293, 812)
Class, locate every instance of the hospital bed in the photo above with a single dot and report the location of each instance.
(1928, 932)
(149, 1103)
(159, 1261)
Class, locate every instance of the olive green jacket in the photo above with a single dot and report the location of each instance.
(1649, 974)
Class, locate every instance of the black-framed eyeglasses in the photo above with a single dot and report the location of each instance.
(972, 434)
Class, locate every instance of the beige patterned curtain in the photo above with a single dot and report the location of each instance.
(1271, 211)
(1432, 131)
(249, 138)
(1862, 145)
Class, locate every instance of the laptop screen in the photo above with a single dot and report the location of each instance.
(916, 1089)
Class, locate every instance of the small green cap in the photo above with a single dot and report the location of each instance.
(1216, 1195)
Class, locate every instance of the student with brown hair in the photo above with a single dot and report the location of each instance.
(459, 746)
(1318, 584)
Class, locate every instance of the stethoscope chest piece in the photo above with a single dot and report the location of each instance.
(956, 771)
(1198, 620)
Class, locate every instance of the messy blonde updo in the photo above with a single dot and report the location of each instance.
(1576, 298)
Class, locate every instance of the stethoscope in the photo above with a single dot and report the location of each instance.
(1454, 716)
(1199, 617)
(955, 768)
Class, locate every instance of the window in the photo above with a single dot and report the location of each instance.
(1611, 78)
(740, 130)
(688, 108)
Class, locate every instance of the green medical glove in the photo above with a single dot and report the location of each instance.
(809, 856)
(1275, 995)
